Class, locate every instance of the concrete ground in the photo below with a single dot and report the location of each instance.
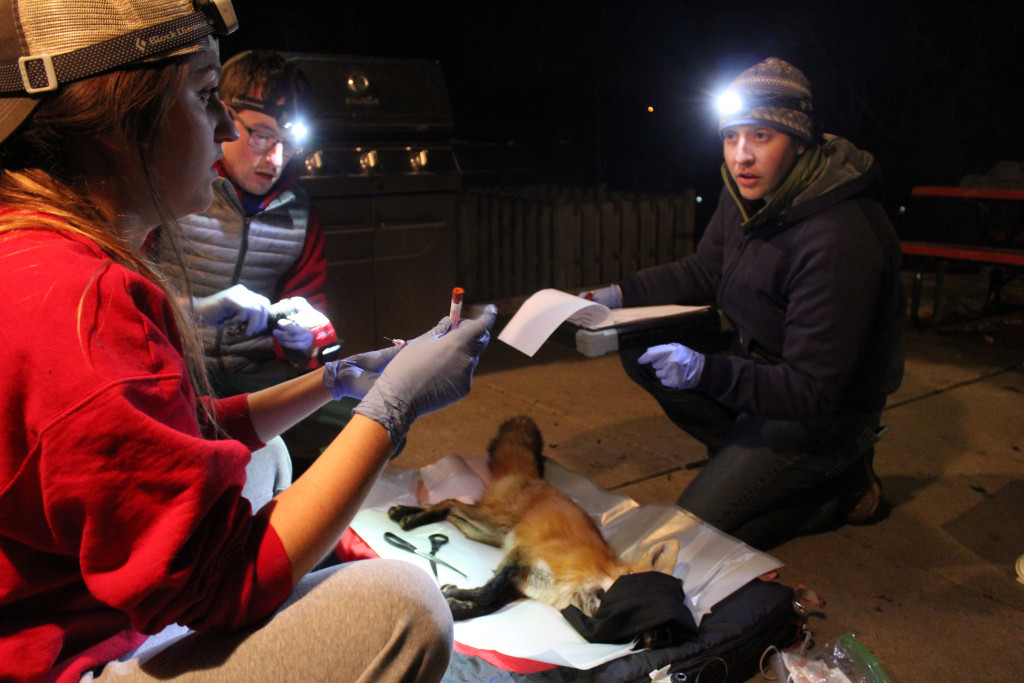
(930, 590)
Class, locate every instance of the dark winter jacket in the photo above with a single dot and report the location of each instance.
(815, 299)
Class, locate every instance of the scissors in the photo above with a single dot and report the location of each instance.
(436, 541)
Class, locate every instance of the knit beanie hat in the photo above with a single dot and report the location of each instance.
(47, 43)
(773, 92)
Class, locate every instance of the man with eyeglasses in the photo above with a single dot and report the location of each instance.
(256, 256)
(260, 242)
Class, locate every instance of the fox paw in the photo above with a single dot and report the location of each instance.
(465, 609)
(452, 592)
(403, 514)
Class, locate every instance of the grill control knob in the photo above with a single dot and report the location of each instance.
(417, 160)
(368, 161)
(358, 82)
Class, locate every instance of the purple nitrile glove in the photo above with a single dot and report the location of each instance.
(353, 376)
(292, 335)
(235, 307)
(429, 373)
(293, 331)
(677, 366)
(610, 296)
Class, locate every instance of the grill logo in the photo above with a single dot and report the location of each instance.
(366, 101)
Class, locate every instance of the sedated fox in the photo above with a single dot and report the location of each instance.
(554, 552)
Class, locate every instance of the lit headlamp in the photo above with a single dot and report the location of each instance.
(773, 93)
(733, 102)
(730, 102)
(288, 119)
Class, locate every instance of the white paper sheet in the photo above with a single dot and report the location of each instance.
(544, 311)
(711, 564)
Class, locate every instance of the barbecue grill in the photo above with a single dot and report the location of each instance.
(385, 179)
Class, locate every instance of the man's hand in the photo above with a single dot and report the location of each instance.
(677, 366)
(293, 335)
(610, 296)
(236, 306)
(290, 332)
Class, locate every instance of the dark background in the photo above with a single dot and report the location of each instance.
(933, 89)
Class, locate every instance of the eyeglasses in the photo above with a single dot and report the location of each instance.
(263, 141)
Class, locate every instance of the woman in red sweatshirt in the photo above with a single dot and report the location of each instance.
(121, 506)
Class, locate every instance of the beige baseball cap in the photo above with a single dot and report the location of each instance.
(47, 43)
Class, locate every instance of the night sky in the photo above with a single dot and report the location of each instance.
(934, 89)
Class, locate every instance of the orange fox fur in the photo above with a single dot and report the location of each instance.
(554, 552)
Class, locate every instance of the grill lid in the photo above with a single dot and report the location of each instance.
(375, 97)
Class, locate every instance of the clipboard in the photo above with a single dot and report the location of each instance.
(683, 328)
(549, 310)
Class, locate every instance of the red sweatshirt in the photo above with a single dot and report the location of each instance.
(117, 516)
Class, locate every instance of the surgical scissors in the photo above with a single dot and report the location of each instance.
(405, 545)
(436, 541)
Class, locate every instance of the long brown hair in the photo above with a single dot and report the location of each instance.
(47, 185)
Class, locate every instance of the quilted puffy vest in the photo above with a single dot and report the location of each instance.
(223, 247)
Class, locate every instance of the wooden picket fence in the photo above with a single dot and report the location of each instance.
(516, 240)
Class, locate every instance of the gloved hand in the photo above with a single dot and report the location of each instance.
(353, 376)
(428, 374)
(677, 366)
(610, 296)
(291, 333)
(290, 306)
(235, 306)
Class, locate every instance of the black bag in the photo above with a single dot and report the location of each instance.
(727, 648)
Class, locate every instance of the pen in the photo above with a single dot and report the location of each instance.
(456, 309)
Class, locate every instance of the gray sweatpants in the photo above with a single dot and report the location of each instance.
(368, 621)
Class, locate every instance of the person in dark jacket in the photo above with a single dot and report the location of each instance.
(804, 265)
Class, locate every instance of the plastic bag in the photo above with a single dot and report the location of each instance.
(843, 660)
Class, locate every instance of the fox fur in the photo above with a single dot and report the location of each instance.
(554, 552)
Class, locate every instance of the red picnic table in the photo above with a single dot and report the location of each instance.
(996, 245)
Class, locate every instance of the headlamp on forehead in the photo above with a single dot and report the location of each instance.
(293, 124)
(299, 131)
(728, 103)
(287, 118)
(773, 93)
(733, 101)
(221, 13)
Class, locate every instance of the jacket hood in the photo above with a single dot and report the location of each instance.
(849, 171)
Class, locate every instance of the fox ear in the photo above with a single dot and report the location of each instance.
(661, 557)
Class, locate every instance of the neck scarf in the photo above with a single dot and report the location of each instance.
(806, 170)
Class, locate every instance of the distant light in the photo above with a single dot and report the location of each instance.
(729, 102)
(699, 199)
(650, 109)
(903, 210)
